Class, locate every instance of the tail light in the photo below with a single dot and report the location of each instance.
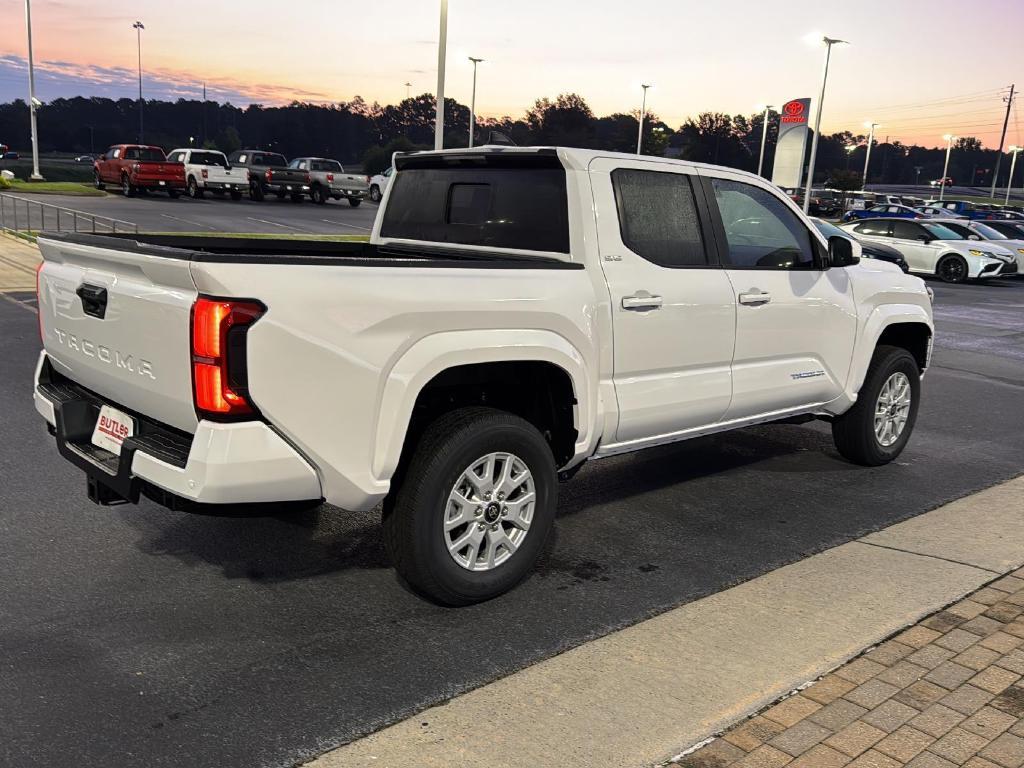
(220, 381)
(269, 175)
(330, 177)
(39, 300)
(206, 174)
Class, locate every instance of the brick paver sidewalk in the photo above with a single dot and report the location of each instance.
(943, 694)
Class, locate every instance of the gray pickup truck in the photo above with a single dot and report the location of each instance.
(328, 179)
(269, 173)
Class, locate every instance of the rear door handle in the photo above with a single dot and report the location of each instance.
(641, 301)
(754, 298)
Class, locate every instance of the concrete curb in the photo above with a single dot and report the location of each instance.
(645, 693)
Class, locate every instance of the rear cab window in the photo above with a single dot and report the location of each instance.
(515, 201)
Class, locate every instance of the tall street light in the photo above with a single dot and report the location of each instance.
(1014, 151)
(867, 158)
(138, 27)
(829, 42)
(472, 102)
(33, 102)
(945, 169)
(442, 53)
(643, 113)
(764, 137)
(408, 85)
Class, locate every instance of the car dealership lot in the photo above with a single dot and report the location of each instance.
(161, 638)
(157, 213)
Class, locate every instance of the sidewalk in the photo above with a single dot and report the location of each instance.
(946, 693)
(18, 261)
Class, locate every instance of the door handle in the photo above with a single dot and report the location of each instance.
(640, 301)
(755, 297)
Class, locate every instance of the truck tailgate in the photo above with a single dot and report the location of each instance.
(118, 321)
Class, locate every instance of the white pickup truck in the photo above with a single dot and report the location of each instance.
(209, 170)
(516, 312)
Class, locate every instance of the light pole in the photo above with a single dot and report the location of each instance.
(33, 102)
(138, 26)
(408, 85)
(945, 169)
(917, 175)
(867, 157)
(1014, 151)
(442, 53)
(829, 42)
(764, 137)
(643, 112)
(472, 102)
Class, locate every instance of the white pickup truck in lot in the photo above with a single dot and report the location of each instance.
(209, 170)
(516, 312)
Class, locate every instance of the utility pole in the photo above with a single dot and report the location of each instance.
(764, 138)
(138, 27)
(1014, 151)
(204, 114)
(442, 53)
(945, 169)
(829, 42)
(643, 111)
(867, 157)
(472, 103)
(1002, 140)
(33, 102)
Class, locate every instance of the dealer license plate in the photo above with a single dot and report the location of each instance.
(112, 427)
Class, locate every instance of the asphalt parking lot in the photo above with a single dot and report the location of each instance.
(137, 636)
(158, 213)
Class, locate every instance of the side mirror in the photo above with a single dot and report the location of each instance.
(843, 252)
(973, 237)
(925, 238)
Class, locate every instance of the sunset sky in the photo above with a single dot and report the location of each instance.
(921, 68)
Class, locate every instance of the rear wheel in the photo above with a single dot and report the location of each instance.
(952, 269)
(194, 190)
(474, 508)
(318, 195)
(256, 192)
(876, 429)
(354, 202)
(375, 194)
(127, 188)
(97, 181)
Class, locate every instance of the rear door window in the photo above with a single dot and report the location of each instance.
(518, 203)
(876, 228)
(905, 230)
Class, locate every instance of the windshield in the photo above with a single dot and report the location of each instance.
(325, 165)
(209, 158)
(262, 158)
(829, 230)
(988, 233)
(940, 232)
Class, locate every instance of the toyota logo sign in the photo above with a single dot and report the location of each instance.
(793, 111)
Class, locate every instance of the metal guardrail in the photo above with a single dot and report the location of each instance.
(21, 215)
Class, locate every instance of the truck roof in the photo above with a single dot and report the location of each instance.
(572, 158)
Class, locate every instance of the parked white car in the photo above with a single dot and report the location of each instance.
(516, 312)
(379, 184)
(934, 249)
(209, 170)
(981, 231)
(934, 212)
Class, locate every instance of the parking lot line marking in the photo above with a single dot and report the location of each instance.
(275, 223)
(187, 221)
(21, 304)
(350, 226)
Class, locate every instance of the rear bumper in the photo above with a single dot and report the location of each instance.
(239, 463)
(357, 194)
(240, 186)
(146, 182)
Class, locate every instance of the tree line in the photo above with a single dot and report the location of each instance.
(357, 132)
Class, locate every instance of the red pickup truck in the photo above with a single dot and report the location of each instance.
(135, 167)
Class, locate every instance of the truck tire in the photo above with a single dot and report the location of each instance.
(354, 202)
(952, 269)
(503, 471)
(127, 187)
(194, 190)
(375, 194)
(256, 192)
(318, 195)
(97, 181)
(876, 429)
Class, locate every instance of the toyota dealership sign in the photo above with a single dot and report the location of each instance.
(788, 170)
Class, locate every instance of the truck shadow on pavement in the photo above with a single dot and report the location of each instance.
(272, 548)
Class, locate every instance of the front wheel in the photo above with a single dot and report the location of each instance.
(127, 187)
(97, 181)
(354, 202)
(952, 269)
(194, 190)
(876, 429)
(474, 507)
